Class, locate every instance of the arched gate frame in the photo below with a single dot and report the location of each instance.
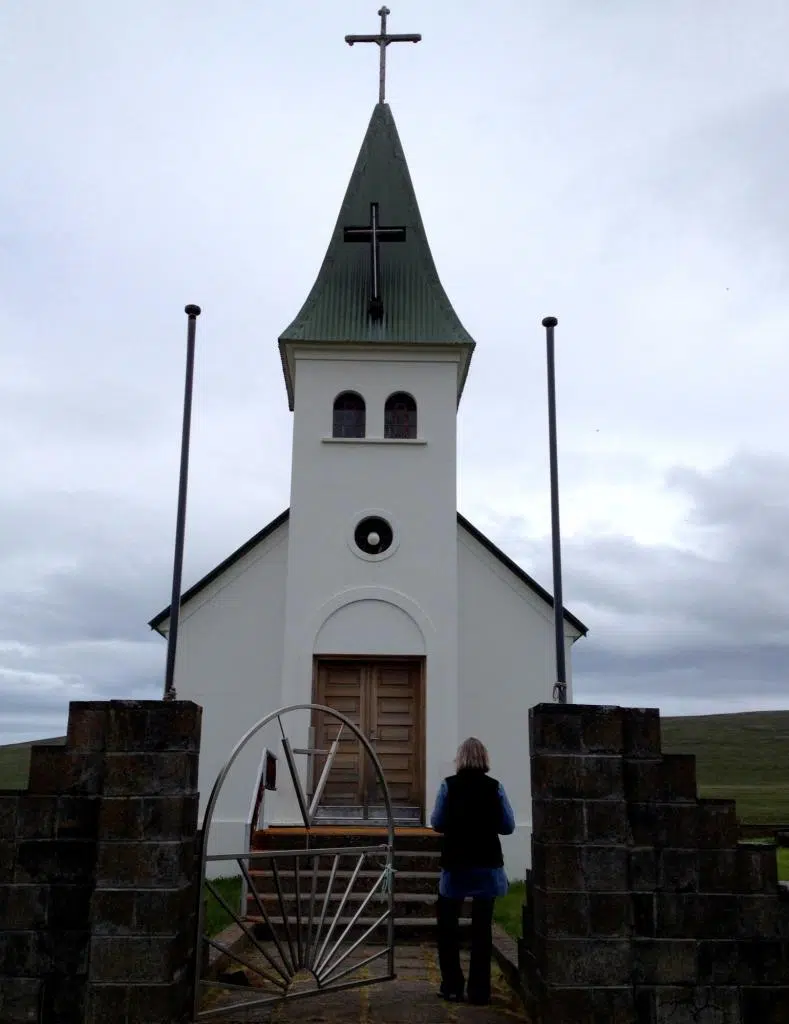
(308, 943)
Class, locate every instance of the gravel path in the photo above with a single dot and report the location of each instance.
(410, 999)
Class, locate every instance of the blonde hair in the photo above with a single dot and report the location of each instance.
(472, 754)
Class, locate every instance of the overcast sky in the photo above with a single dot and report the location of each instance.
(620, 165)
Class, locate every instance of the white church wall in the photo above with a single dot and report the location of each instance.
(506, 666)
(230, 647)
(414, 488)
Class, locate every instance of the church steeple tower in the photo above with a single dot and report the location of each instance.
(375, 362)
(387, 290)
(416, 307)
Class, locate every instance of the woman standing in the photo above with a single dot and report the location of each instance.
(471, 812)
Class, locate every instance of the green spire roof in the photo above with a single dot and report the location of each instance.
(416, 307)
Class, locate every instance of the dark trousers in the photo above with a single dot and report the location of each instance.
(448, 914)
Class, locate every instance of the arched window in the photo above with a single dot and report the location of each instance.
(400, 416)
(349, 415)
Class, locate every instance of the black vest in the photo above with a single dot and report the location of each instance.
(471, 824)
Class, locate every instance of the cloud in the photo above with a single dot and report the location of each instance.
(703, 620)
(73, 602)
(728, 172)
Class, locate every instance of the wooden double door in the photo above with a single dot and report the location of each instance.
(384, 698)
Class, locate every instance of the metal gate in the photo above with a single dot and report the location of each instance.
(318, 945)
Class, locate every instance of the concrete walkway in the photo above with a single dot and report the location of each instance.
(410, 999)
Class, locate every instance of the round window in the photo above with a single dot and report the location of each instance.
(373, 535)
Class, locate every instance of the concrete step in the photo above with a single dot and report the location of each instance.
(416, 863)
(405, 881)
(404, 861)
(336, 814)
(406, 905)
(407, 929)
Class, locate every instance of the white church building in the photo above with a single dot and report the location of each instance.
(371, 593)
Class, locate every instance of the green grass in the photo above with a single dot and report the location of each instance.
(216, 917)
(742, 757)
(15, 762)
(507, 912)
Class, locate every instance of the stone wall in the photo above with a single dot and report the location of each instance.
(98, 870)
(641, 906)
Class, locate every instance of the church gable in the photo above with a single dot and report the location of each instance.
(485, 551)
(275, 533)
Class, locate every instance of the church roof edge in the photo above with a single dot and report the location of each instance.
(516, 570)
(217, 571)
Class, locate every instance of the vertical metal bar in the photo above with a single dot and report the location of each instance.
(286, 973)
(329, 887)
(367, 712)
(390, 959)
(294, 774)
(316, 799)
(284, 910)
(308, 937)
(382, 56)
(193, 312)
(560, 688)
(311, 746)
(297, 884)
(340, 908)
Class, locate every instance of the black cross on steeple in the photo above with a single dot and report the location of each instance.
(374, 234)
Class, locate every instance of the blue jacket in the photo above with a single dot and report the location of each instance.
(483, 882)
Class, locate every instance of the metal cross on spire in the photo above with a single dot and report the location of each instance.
(383, 40)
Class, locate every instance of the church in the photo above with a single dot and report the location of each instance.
(371, 593)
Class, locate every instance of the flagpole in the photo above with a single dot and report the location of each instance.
(192, 312)
(560, 687)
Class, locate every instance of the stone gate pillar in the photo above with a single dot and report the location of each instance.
(98, 870)
(642, 907)
(143, 910)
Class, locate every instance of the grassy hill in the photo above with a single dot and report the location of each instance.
(15, 763)
(744, 757)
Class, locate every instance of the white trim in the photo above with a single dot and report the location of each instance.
(388, 595)
(400, 352)
(293, 351)
(366, 514)
(373, 440)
